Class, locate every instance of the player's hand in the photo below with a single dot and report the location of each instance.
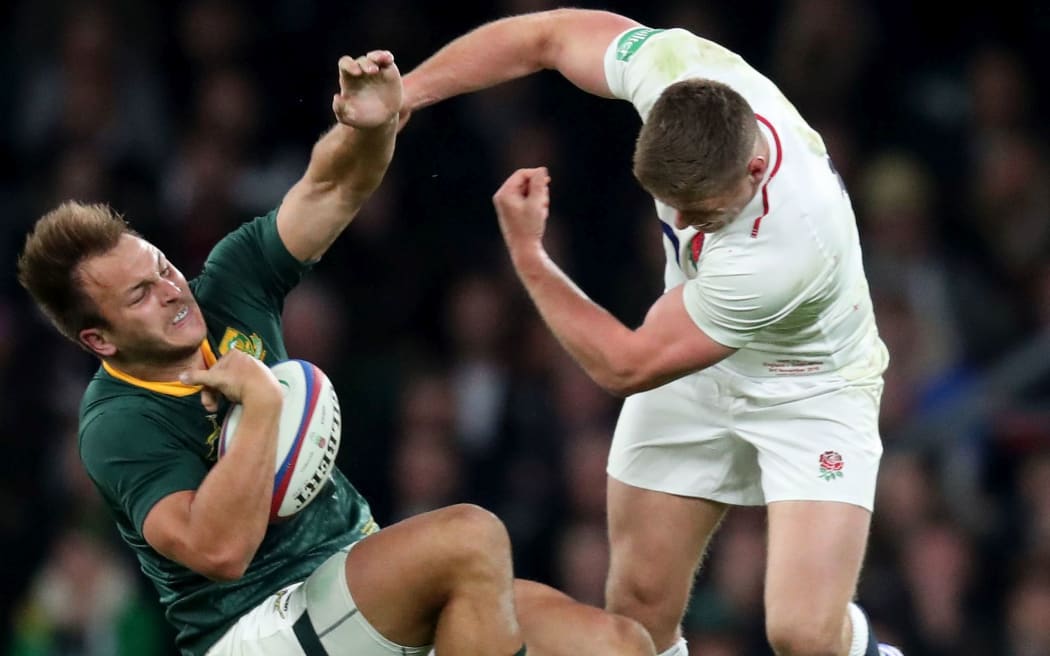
(237, 376)
(522, 205)
(369, 90)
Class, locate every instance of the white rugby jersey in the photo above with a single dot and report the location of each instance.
(783, 282)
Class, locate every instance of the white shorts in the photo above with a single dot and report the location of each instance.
(750, 441)
(333, 625)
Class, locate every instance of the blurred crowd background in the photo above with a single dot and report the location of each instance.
(192, 117)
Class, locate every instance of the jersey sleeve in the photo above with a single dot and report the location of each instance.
(253, 262)
(641, 62)
(733, 299)
(135, 463)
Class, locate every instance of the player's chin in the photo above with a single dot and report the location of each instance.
(186, 336)
(175, 351)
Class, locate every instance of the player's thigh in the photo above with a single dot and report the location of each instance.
(656, 540)
(819, 450)
(402, 576)
(336, 624)
(318, 616)
(297, 621)
(818, 547)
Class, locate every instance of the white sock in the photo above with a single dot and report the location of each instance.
(677, 649)
(858, 645)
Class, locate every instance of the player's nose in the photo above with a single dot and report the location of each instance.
(170, 290)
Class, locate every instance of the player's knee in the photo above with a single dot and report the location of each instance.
(629, 592)
(804, 637)
(624, 637)
(477, 536)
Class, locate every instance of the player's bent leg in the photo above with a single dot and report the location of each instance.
(554, 624)
(442, 578)
(816, 547)
(652, 563)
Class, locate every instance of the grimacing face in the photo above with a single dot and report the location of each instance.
(152, 315)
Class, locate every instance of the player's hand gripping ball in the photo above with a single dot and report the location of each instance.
(307, 437)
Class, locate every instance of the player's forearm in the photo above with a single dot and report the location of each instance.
(496, 52)
(598, 341)
(230, 511)
(352, 161)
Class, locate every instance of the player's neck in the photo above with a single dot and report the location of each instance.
(159, 372)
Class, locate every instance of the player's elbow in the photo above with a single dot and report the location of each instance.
(624, 377)
(636, 366)
(624, 387)
(219, 559)
(224, 566)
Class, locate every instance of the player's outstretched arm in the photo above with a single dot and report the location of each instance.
(349, 161)
(570, 41)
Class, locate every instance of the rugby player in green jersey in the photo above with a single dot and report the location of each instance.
(176, 353)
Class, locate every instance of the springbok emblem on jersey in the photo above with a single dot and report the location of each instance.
(213, 438)
(235, 339)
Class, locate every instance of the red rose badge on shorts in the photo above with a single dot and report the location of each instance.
(831, 464)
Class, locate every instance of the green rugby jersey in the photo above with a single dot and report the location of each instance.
(141, 441)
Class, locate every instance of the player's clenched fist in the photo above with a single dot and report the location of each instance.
(522, 204)
(369, 90)
(237, 376)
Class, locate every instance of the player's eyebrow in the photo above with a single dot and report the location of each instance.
(143, 283)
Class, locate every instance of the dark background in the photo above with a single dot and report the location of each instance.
(191, 117)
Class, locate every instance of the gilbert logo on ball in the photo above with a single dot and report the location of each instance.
(308, 436)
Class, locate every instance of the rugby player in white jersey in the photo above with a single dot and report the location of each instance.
(756, 377)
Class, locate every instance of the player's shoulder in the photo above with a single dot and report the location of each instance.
(670, 51)
(245, 240)
(642, 62)
(102, 391)
(639, 40)
(110, 407)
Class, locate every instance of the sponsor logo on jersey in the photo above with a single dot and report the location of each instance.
(631, 41)
(235, 339)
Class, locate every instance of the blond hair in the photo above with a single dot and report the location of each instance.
(49, 265)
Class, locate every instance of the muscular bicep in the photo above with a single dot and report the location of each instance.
(167, 529)
(670, 345)
(578, 41)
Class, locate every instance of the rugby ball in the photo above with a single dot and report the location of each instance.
(308, 436)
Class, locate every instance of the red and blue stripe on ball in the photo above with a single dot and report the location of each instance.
(284, 473)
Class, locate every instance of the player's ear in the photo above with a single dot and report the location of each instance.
(97, 342)
(756, 168)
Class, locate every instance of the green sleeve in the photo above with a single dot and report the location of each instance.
(254, 264)
(135, 462)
